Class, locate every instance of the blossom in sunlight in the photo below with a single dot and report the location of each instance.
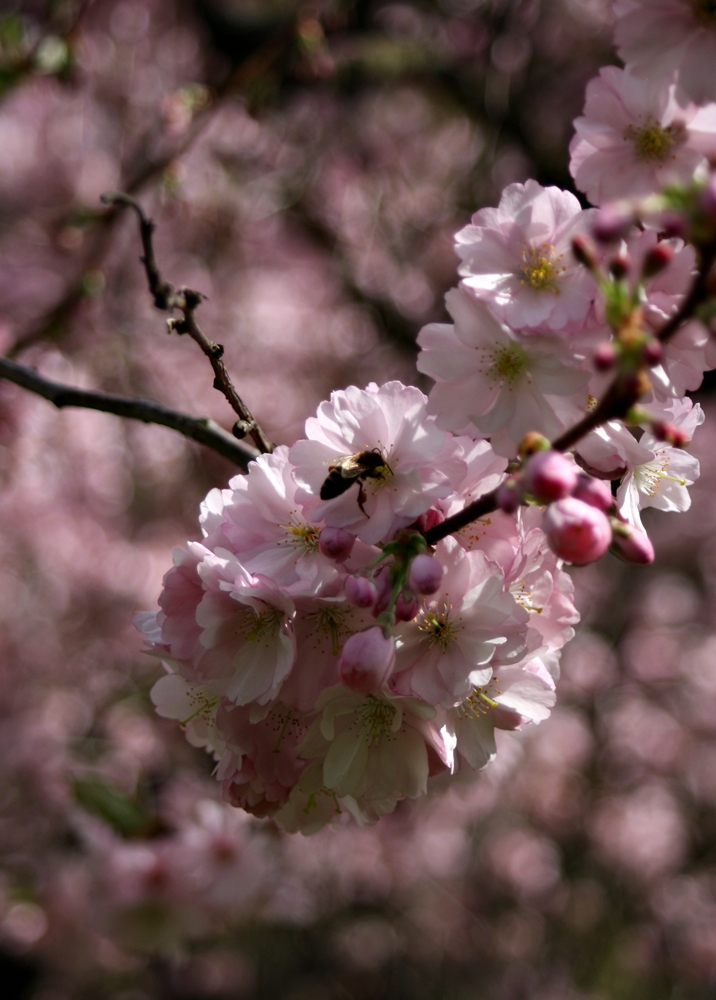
(518, 258)
(420, 463)
(656, 37)
(663, 478)
(635, 137)
(260, 521)
(504, 384)
(518, 695)
(449, 647)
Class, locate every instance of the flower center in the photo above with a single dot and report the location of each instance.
(439, 628)
(648, 477)
(376, 720)
(654, 142)
(282, 721)
(302, 536)
(508, 363)
(202, 706)
(523, 597)
(480, 701)
(257, 625)
(334, 623)
(541, 268)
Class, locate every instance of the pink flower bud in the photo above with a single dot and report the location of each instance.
(707, 199)
(670, 433)
(367, 660)
(576, 531)
(621, 265)
(429, 519)
(406, 607)
(657, 260)
(673, 224)
(595, 492)
(385, 589)
(549, 476)
(610, 224)
(336, 543)
(425, 575)
(510, 494)
(360, 591)
(652, 352)
(583, 251)
(605, 356)
(630, 544)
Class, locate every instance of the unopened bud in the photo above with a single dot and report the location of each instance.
(605, 356)
(630, 544)
(576, 531)
(707, 199)
(425, 575)
(669, 433)
(584, 252)
(595, 492)
(657, 260)
(531, 443)
(549, 476)
(673, 225)
(610, 224)
(652, 352)
(406, 607)
(360, 591)
(429, 519)
(509, 495)
(336, 543)
(621, 265)
(367, 660)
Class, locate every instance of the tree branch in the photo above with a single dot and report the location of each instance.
(186, 301)
(200, 429)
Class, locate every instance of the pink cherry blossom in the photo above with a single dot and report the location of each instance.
(371, 746)
(520, 694)
(449, 647)
(656, 37)
(259, 767)
(421, 462)
(635, 137)
(505, 384)
(518, 258)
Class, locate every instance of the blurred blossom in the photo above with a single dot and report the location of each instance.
(317, 212)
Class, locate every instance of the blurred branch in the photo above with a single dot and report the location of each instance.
(199, 429)
(186, 301)
(143, 169)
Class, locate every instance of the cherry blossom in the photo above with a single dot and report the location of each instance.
(635, 137)
(504, 384)
(521, 694)
(420, 462)
(656, 37)
(518, 258)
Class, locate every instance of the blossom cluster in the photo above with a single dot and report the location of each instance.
(328, 665)
(326, 654)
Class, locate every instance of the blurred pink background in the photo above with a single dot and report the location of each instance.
(307, 165)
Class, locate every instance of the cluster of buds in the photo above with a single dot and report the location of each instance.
(581, 521)
(391, 587)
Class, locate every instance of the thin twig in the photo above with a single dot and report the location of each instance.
(186, 301)
(199, 429)
(144, 168)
